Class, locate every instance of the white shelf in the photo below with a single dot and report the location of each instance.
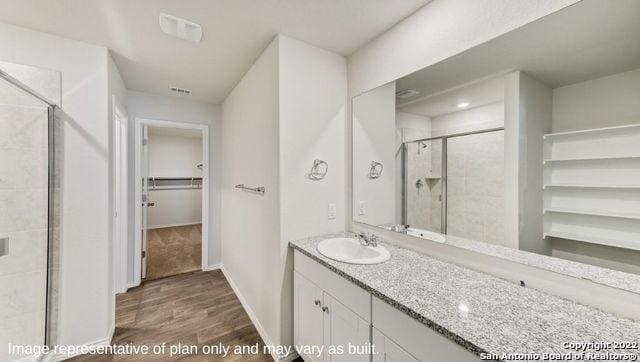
(620, 215)
(626, 244)
(585, 186)
(590, 159)
(593, 131)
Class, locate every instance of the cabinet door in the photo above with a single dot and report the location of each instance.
(388, 351)
(308, 316)
(344, 328)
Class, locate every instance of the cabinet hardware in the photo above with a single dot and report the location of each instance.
(325, 309)
(316, 302)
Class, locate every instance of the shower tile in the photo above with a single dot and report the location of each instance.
(27, 252)
(22, 127)
(46, 82)
(22, 293)
(24, 329)
(23, 168)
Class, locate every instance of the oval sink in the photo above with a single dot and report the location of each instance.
(349, 250)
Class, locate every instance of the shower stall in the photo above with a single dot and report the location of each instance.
(28, 220)
(453, 184)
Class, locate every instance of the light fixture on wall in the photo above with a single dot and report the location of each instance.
(463, 105)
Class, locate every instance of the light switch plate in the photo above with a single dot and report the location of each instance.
(361, 208)
(331, 211)
(4, 246)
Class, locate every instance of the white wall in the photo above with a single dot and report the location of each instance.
(374, 127)
(440, 29)
(149, 106)
(313, 97)
(86, 295)
(474, 119)
(174, 155)
(604, 102)
(117, 93)
(286, 111)
(250, 222)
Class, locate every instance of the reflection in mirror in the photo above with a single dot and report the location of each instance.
(529, 143)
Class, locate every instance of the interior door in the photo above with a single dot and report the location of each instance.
(307, 306)
(144, 169)
(343, 327)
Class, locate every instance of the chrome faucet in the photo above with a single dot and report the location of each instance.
(368, 239)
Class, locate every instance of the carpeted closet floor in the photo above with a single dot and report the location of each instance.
(174, 250)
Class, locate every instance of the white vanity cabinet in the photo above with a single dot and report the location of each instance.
(388, 350)
(330, 310)
(320, 320)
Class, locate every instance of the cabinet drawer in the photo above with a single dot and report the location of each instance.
(414, 337)
(349, 294)
(387, 350)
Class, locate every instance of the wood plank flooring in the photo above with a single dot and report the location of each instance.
(198, 308)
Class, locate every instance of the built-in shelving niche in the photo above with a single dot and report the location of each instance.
(592, 186)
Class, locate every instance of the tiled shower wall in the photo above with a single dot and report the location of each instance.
(475, 187)
(24, 206)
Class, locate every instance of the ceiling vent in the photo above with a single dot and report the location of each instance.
(180, 91)
(180, 28)
(407, 93)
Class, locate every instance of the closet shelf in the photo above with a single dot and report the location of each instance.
(611, 214)
(593, 131)
(620, 243)
(585, 186)
(591, 159)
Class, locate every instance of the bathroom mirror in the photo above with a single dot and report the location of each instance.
(526, 147)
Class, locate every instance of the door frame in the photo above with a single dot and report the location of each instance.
(204, 129)
(120, 195)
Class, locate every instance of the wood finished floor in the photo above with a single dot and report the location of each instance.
(198, 308)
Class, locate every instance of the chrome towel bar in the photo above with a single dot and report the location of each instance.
(259, 190)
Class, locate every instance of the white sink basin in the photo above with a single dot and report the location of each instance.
(349, 250)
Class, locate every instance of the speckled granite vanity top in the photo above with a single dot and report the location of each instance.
(482, 313)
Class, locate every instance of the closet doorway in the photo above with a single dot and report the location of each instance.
(171, 198)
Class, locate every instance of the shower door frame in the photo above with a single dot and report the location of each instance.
(51, 107)
(405, 169)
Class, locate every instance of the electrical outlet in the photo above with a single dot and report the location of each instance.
(332, 211)
(361, 208)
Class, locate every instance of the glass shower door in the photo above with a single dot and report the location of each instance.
(24, 213)
(475, 186)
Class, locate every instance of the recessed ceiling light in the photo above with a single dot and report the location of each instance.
(180, 28)
(463, 104)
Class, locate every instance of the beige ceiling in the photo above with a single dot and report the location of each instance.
(235, 32)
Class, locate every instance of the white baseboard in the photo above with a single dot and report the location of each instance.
(173, 225)
(213, 267)
(62, 357)
(255, 321)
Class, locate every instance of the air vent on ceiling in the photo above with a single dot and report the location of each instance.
(407, 93)
(181, 91)
(180, 28)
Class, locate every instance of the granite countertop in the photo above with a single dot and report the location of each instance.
(482, 313)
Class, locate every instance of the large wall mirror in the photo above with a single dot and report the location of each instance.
(526, 147)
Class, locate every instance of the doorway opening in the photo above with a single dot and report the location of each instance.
(171, 199)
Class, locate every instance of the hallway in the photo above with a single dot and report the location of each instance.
(198, 308)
